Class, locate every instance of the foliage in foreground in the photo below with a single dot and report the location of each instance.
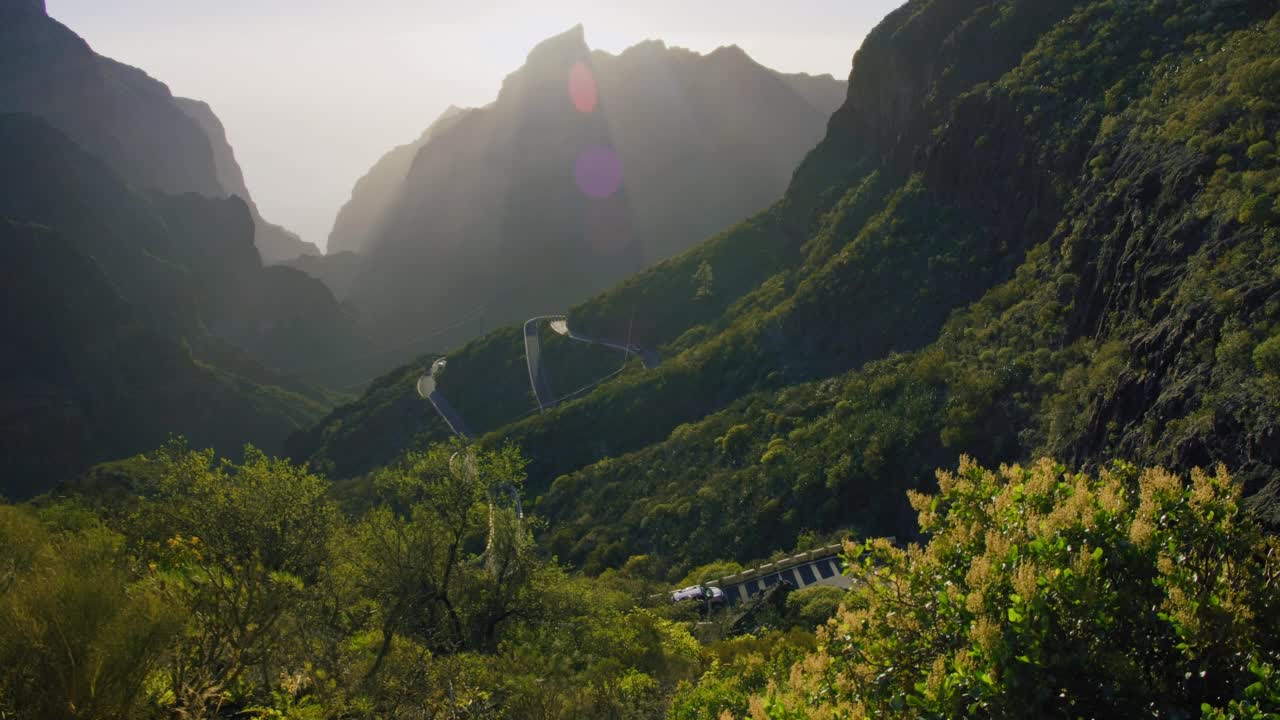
(226, 590)
(1045, 594)
(222, 590)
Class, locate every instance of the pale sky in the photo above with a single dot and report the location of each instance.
(313, 92)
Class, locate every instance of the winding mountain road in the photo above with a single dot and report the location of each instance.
(428, 391)
(649, 358)
(560, 325)
(542, 392)
(533, 357)
(819, 567)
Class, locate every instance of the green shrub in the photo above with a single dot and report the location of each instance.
(813, 606)
(1266, 356)
(1262, 151)
(1257, 210)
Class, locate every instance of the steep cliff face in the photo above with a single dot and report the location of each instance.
(587, 167)
(361, 218)
(275, 244)
(186, 261)
(115, 111)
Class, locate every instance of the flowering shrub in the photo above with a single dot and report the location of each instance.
(1046, 594)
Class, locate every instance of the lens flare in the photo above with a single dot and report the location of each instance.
(582, 88)
(598, 171)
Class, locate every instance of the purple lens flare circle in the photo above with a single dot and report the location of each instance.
(598, 171)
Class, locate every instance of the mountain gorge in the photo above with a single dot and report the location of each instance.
(586, 168)
(194, 323)
(992, 253)
(275, 244)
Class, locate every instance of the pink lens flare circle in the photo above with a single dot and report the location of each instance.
(582, 88)
(598, 171)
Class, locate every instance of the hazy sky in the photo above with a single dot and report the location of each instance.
(313, 92)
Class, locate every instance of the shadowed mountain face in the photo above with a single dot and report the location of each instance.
(97, 380)
(586, 168)
(136, 292)
(186, 261)
(137, 315)
(129, 120)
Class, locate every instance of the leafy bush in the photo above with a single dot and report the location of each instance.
(810, 607)
(1047, 594)
(80, 634)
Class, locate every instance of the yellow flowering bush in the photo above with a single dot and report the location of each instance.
(1047, 594)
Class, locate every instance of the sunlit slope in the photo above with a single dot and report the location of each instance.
(1144, 322)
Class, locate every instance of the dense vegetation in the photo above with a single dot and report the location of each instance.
(209, 589)
(1044, 594)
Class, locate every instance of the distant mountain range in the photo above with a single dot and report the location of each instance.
(586, 168)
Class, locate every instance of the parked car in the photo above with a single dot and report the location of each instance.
(699, 593)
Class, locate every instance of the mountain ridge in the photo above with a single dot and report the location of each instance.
(130, 120)
(492, 215)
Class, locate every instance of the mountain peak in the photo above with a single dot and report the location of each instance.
(572, 41)
(730, 51)
(649, 46)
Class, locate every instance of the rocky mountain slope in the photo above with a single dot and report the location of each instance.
(1032, 228)
(120, 114)
(586, 168)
